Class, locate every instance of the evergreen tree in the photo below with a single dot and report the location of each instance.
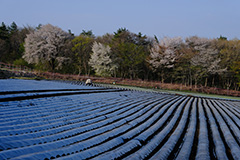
(4, 32)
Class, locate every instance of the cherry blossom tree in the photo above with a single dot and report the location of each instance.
(164, 54)
(45, 45)
(100, 60)
(206, 59)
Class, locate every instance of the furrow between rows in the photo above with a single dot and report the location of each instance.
(67, 141)
(95, 119)
(156, 136)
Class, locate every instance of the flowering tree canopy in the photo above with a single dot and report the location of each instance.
(45, 46)
(165, 53)
(101, 61)
(207, 55)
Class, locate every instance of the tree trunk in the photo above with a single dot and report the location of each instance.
(162, 76)
(206, 81)
(162, 79)
(228, 84)
(85, 68)
(89, 70)
(195, 82)
(213, 82)
(190, 79)
(79, 70)
(52, 64)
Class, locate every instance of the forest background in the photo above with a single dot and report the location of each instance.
(193, 61)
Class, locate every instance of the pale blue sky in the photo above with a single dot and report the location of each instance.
(172, 18)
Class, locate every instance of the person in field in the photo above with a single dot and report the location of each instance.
(88, 82)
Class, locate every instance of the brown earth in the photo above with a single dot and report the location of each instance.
(120, 81)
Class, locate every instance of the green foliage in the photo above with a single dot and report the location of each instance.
(236, 70)
(87, 33)
(13, 28)
(22, 62)
(10, 40)
(222, 38)
(21, 48)
(82, 48)
(195, 61)
(120, 32)
(130, 52)
(42, 66)
(4, 32)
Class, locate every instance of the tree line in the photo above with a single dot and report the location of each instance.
(193, 61)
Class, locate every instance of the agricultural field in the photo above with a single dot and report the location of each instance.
(60, 120)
